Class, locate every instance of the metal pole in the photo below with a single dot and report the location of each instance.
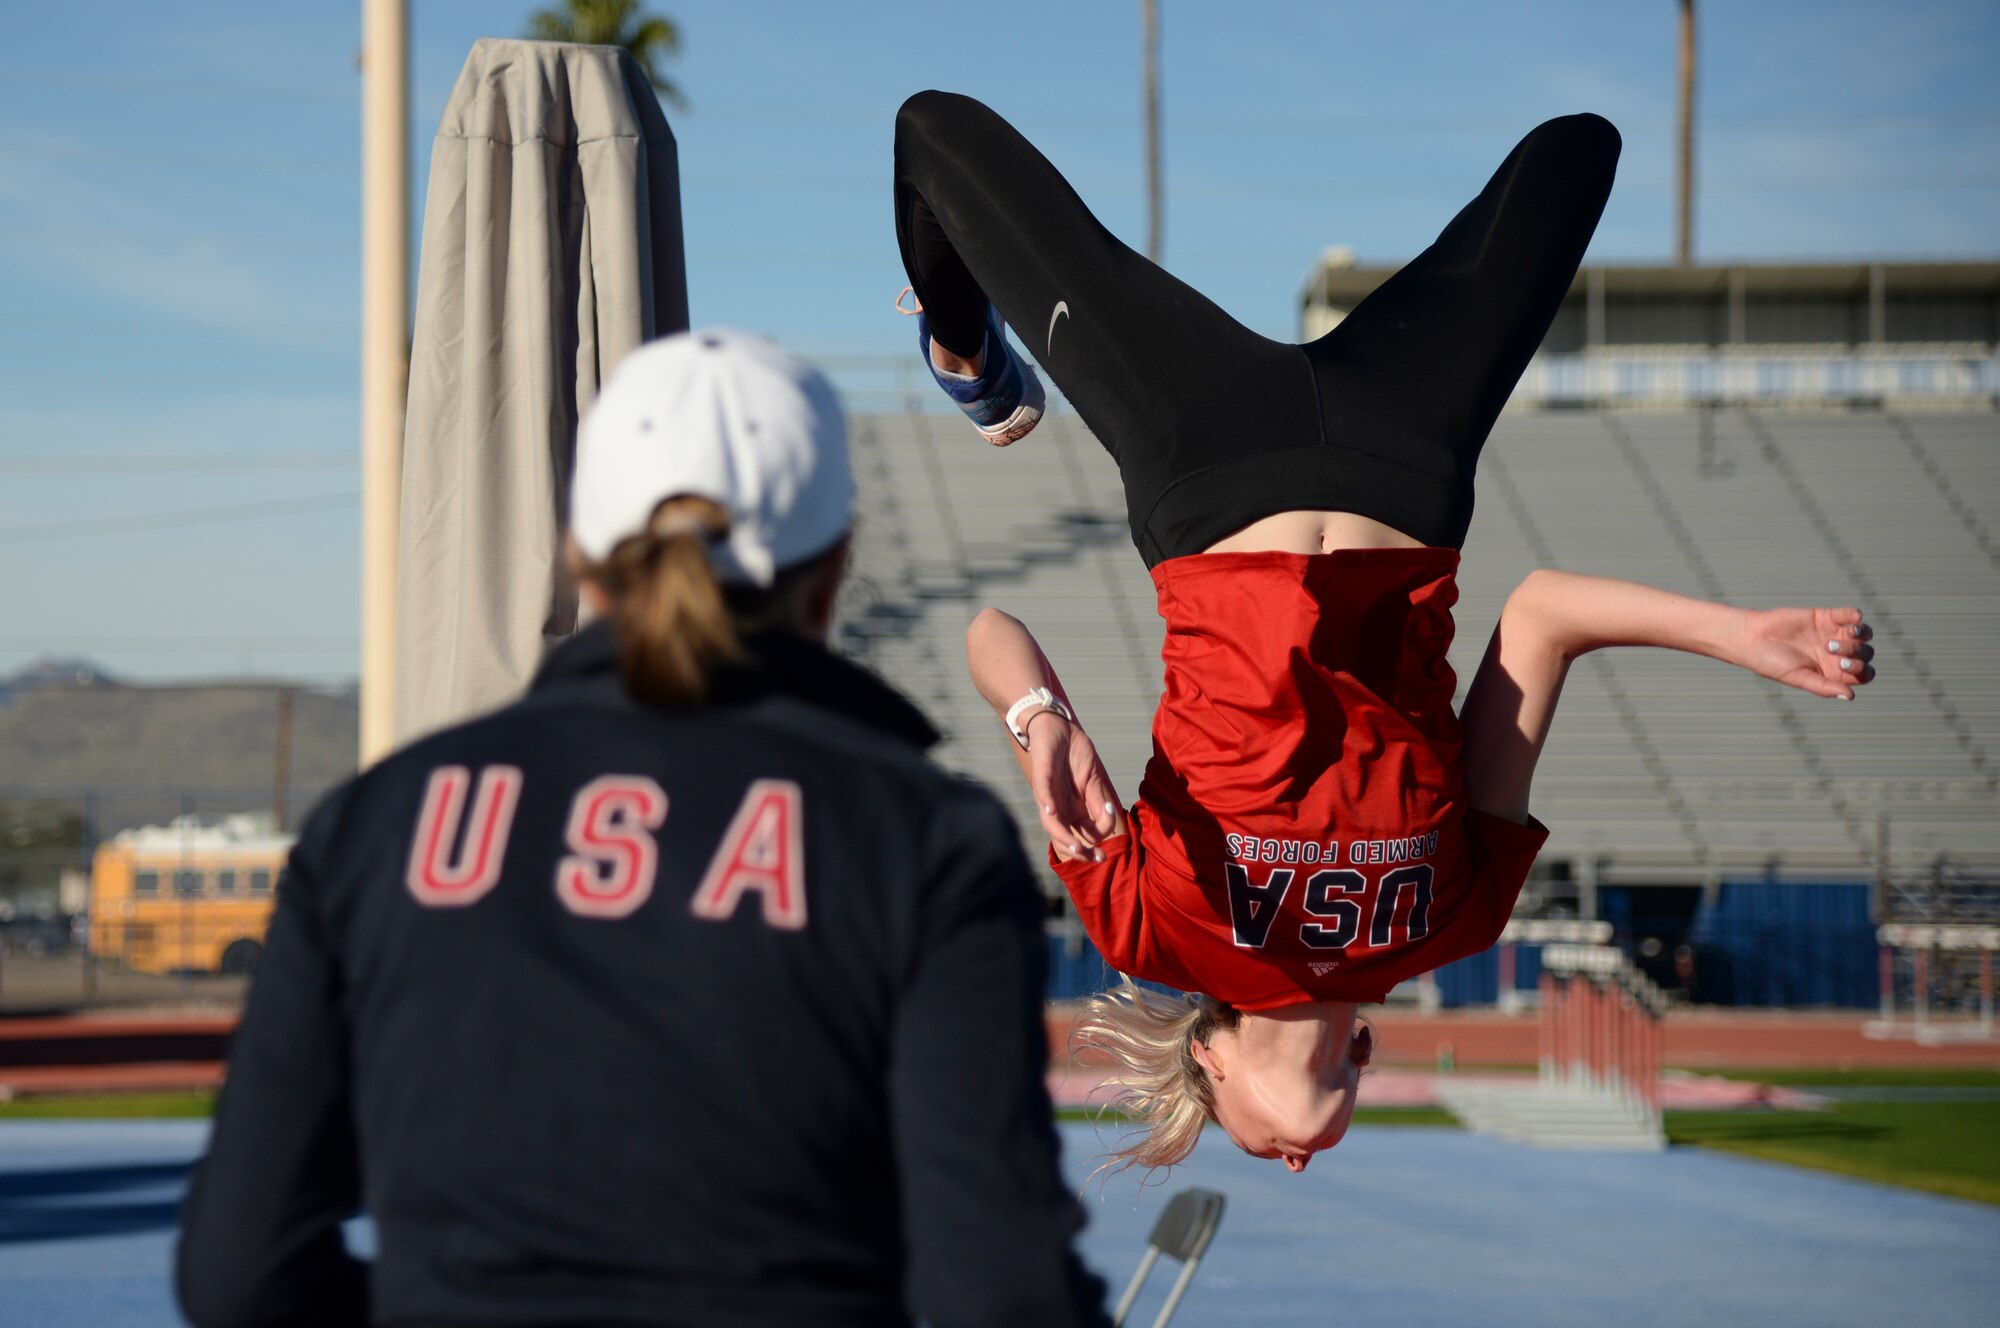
(89, 894)
(181, 891)
(281, 772)
(1921, 963)
(1593, 308)
(1545, 1028)
(1149, 15)
(385, 350)
(1878, 899)
(1986, 993)
(1684, 219)
(1572, 1031)
(1173, 1301)
(1138, 1280)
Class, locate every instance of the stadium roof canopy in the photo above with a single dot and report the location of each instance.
(1719, 304)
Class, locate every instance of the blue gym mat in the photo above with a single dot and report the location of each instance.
(1397, 1226)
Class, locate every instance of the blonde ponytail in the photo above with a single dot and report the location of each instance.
(1160, 1086)
(672, 622)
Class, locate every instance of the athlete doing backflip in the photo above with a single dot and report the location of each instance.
(1316, 823)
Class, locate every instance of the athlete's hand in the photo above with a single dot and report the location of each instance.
(1078, 805)
(1822, 651)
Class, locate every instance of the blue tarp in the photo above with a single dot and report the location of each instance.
(1475, 980)
(1766, 942)
(1786, 943)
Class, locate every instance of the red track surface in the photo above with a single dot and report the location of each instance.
(151, 1077)
(90, 1053)
(120, 1024)
(1696, 1040)
(116, 1053)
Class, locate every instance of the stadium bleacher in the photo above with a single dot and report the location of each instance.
(1665, 765)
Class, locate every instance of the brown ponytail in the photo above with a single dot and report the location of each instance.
(673, 624)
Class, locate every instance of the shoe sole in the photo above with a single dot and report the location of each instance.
(1026, 415)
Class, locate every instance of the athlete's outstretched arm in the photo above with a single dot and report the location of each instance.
(1078, 805)
(1554, 617)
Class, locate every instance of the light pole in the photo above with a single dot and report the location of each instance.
(1149, 15)
(385, 350)
(1684, 226)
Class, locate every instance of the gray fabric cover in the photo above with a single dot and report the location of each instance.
(551, 247)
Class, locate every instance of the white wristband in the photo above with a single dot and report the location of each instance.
(1038, 698)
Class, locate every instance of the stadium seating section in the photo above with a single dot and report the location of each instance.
(1659, 761)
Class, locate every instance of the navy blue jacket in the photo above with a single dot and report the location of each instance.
(610, 1013)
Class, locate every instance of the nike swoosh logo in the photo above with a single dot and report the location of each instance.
(1062, 311)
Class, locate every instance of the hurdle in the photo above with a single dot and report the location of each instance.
(1539, 931)
(1601, 1047)
(1601, 1029)
(1938, 954)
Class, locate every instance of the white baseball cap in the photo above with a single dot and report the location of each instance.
(720, 415)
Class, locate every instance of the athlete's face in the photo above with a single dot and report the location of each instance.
(1287, 1112)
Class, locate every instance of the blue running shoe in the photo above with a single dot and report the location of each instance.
(1006, 400)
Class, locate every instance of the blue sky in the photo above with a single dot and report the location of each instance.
(179, 221)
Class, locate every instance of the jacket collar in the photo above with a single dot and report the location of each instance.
(776, 663)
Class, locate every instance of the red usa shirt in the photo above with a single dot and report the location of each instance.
(1301, 832)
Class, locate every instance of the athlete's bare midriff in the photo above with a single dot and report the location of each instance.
(1306, 531)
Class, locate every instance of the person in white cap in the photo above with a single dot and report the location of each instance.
(684, 990)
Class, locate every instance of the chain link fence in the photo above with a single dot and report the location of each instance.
(136, 895)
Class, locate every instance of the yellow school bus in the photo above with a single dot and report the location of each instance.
(187, 896)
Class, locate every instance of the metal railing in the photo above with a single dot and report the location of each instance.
(1744, 376)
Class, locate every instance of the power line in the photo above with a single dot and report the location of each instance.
(152, 352)
(785, 182)
(1192, 120)
(205, 89)
(274, 165)
(204, 643)
(53, 463)
(1392, 123)
(1304, 187)
(1197, 121)
(286, 245)
(199, 516)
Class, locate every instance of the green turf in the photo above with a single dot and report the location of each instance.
(1429, 1116)
(1872, 1078)
(1405, 1116)
(1945, 1147)
(119, 1106)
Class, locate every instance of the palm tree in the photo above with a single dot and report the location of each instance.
(615, 23)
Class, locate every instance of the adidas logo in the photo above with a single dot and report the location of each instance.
(1323, 967)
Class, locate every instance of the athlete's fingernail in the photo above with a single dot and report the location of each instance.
(1097, 855)
(1048, 808)
(1847, 666)
(1110, 809)
(1833, 647)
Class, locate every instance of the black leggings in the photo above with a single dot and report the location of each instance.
(1212, 425)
